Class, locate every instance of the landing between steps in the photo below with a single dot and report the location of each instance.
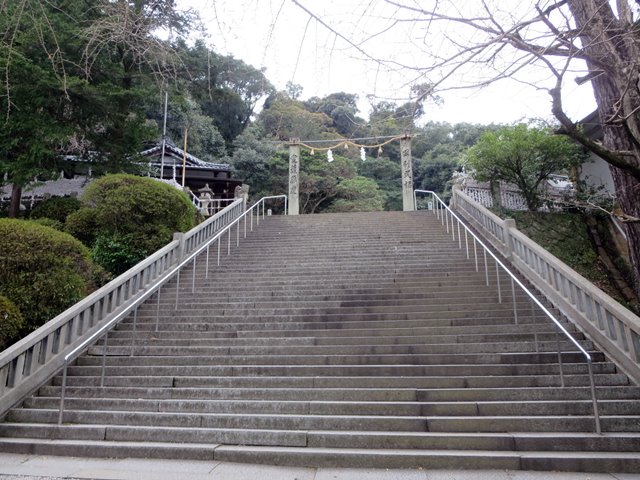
(41, 467)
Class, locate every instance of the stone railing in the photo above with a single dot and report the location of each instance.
(614, 328)
(26, 365)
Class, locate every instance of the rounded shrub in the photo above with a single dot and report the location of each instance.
(11, 322)
(42, 271)
(56, 208)
(126, 216)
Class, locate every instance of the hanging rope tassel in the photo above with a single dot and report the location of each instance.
(329, 156)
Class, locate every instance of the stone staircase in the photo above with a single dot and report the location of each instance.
(339, 340)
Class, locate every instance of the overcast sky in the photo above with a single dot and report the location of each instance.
(278, 35)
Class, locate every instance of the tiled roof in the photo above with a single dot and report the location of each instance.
(193, 160)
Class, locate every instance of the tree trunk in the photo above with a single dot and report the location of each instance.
(16, 197)
(613, 50)
(496, 194)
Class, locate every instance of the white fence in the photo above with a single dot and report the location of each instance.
(614, 328)
(26, 365)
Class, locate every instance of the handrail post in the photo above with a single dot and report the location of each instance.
(515, 305)
(133, 336)
(104, 358)
(63, 389)
(592, 387)
(560, 361)
(158, 308)
(177, 289)
(193, 277)
(206, 270)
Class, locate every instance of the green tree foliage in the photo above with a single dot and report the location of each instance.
(524, 156)
(387, 176)
(358, 194)
(185, 116)
(56, 208)
(342, 109)
(226, 89)
(75, 76)
(129, 217)
(284, 118)
(320, 180)
(255, 161)
(11, 322)
(34, 98)
(42, 271)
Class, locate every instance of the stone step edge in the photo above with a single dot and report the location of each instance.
(605, 462)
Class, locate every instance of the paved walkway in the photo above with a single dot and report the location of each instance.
(38, 467)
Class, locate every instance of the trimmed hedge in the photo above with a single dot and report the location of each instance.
(11, 322)
(56, 208)
(125, 218)
(42, 271)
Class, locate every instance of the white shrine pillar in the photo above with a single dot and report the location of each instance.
(294, 178)
(407, 174)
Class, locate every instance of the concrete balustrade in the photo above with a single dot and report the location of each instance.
(29, 363)
(614, 328)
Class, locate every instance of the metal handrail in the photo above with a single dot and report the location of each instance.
(156, 287)
(442, 211)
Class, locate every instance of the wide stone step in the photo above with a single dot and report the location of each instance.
(441, 302)
(613, 442)
(286, 377)
(605, 462)
(151, 337)
(385, 324)
(364, 407)
(319, 364)
(424, 308)
(329, 365)
(302, 389)
(518, 423)
(121, 356)
(221, 420)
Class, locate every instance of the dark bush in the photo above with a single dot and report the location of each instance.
(116, 254)
(56, 208)
(132, 216)
(11, 322)
(49, 222)
(43, 271)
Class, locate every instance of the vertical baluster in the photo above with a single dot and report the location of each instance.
(475, 253)
(135, 321)
(177, 289)
(158, 307)
(466, 242)
(560, 361)
(498, 283)
(594, 401)
(486, 268)
(193, 279)
(104, 358)
(206, 271)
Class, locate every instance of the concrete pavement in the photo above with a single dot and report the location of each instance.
(38, 467)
